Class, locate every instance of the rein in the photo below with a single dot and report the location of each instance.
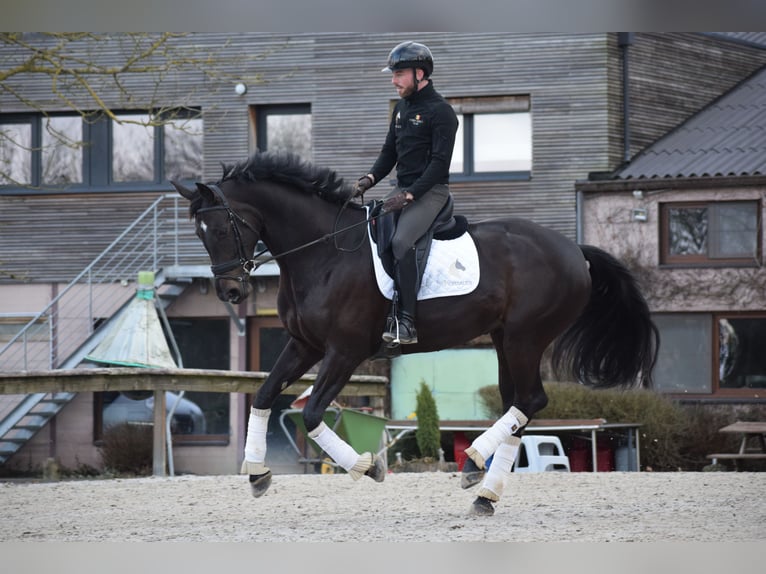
(324, 238)
(250, 265)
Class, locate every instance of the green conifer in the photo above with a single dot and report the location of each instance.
(427, 434)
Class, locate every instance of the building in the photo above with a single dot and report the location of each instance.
(538, 113)
(687, 214)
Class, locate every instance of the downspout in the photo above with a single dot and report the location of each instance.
(624, 40)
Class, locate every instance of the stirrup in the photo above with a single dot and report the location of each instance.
(391, 334)
(395, 335)
(406, 333)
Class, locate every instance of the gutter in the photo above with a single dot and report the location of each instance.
(670, 183)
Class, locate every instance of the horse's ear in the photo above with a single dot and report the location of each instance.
(190, 194)
(207, 194)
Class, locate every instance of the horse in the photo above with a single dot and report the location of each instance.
(537, 288)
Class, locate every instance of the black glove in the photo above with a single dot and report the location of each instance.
(395, 203)
(362, 185)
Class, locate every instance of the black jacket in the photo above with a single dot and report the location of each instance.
(419, 142)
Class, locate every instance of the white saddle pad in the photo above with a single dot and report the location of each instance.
(452, 269)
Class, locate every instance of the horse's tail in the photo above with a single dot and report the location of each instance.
(614, 341)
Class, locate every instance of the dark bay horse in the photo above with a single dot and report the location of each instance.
(536, 287)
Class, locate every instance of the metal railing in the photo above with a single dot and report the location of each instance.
(161, 236)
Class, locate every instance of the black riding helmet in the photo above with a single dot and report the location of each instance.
(410, 55)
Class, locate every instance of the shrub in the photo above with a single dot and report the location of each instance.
(427, 434)
(127, 449)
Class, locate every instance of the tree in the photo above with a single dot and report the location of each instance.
(427, 434)
(92, 75)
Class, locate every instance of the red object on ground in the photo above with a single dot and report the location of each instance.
(579, 458)
(605, 455)
(461, 443)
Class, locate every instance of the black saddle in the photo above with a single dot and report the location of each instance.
(445, 226)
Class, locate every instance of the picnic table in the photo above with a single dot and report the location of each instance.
(751, 432)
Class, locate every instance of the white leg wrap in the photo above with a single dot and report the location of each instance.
(255, 445)
(341, 452)
(487, 443)
(500, 469)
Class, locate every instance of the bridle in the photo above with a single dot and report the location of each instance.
(249, 265)
(220, 270)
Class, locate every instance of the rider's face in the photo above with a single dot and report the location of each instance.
(404, 81)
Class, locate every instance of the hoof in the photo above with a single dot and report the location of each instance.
(482, 507)
(378, 470)
(472, 474)
(259, 484)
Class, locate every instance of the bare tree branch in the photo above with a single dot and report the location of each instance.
(97, 75)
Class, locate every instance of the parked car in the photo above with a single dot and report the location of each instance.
(188, 417)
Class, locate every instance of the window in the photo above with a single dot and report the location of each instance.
(716, 354)
(81, 153)
(157, 148)
(720, 233)
(62, 150)
(204, 344)
(15, 151)
(494, 138)
(284, 128)
(183, 148)
(741, 361)
(11, 324)
(132, 149)
(684, 359)
(201, 417)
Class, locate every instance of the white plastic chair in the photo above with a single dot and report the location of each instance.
(541, 453)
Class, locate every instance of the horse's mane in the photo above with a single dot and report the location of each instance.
(291, 169)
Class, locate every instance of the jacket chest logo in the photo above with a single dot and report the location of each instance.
(417, 120)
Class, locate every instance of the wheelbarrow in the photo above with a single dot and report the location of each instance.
(365, 432)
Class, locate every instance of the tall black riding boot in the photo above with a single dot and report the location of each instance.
(402, 329)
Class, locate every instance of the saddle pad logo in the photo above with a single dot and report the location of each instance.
(456, 269)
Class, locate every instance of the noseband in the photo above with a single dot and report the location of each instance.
(243, 262)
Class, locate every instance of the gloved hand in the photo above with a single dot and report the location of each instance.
(363, 184)
(395, 203)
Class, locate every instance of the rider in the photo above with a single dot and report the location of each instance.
(419, 142)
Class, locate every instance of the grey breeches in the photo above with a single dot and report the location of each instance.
(416, 218)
